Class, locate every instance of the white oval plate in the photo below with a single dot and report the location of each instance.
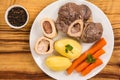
(51, 11)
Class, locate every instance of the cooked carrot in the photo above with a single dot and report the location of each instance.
(98, 53)
(91, 67)
(101, 43)
(84, 64)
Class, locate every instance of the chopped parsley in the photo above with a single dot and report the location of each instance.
(90, 59)
(68, 47)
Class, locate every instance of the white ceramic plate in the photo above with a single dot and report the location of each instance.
(51, 11)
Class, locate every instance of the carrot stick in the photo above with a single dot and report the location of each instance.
(101, 43)
(98, 53)
(91, 67)
(84, 64)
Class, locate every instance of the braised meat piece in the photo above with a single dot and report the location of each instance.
(86, 31)
(92, 32)
(70, 12)
(85, 12)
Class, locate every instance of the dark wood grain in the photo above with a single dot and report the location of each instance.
(16, 61)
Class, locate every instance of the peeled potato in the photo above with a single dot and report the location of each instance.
(61, 49)
(57, 63)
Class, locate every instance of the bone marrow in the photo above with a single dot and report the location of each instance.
(44, 46)
(76, 28)
(48, 28)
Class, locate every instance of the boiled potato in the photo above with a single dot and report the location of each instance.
(68, 48)
(57, 63)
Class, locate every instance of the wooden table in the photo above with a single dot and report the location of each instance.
(16, 61)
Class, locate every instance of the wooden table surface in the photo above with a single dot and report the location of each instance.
(16, 61)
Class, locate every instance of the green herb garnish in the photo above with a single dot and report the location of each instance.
(68, 47)
(90, 59)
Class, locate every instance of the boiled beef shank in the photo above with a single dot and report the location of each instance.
(70, 12)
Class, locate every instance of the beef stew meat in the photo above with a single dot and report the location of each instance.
(70, 12)
(92, 32)
(85, 12)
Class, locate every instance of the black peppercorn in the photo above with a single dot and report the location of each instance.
(17, 16)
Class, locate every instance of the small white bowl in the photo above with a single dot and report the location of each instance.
(6, 17)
